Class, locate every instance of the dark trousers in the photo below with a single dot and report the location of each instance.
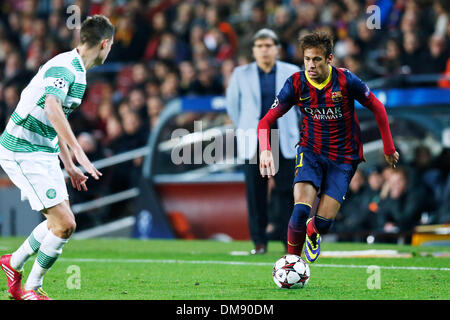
(281, 205)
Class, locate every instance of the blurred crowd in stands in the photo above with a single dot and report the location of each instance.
(393, 200)
(169, 48)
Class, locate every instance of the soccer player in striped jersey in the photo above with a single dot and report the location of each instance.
(37, 133)
(330, 147)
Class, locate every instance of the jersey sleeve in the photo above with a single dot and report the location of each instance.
(362, 93)
(357, 87)
(282, 104)
(57, 81)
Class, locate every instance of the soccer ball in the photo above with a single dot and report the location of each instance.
(291, 272)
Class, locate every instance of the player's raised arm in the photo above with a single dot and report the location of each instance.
(366, 97)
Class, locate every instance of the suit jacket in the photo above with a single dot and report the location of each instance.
(243, 102)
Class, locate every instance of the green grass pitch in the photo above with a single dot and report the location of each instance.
(131, 269)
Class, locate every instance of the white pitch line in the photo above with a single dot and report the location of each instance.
(94, 260)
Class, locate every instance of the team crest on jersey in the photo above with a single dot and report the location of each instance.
(59, 83)
(274, 104)
(336, 96)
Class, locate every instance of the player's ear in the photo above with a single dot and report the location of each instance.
(330, 58)
(104, 43)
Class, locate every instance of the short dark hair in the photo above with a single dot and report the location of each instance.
(321, 40)
(95, 29)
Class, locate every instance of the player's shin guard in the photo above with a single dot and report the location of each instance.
(297, 228)
(50, 250)
(30, 246)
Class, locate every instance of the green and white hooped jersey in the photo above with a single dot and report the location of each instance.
(29, 129)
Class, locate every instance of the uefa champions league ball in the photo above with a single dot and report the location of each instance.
(291, 272)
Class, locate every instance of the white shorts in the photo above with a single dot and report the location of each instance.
(39, 178)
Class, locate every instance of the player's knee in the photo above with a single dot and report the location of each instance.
(65, 228)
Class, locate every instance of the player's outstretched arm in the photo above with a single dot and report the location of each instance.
(56, 116)
(375, 105)
(77, 176)
(364, 96)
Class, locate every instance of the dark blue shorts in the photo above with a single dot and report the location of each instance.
(329, 177)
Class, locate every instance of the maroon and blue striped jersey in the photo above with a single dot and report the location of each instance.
(330, 126)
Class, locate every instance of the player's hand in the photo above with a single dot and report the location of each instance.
(266, 164)
(392, 159)
(86, 164)
(77, 178)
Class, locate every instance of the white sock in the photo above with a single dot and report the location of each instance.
(50, 250)
(29, 247)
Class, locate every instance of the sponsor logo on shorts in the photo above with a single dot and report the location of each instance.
(51, 193)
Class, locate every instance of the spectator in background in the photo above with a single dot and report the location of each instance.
(10, 99)
(412, 53)
(354, 64)
(258, 20)
(167, 48)
(139, 75)
(372, 199)
(123, 108)
(187, 77)
(369, 44)
(281, 24)
(196, 39)
(125, 30)
(391, 62)
(152, 88)
(159, 27)
(136, 100)
(226, 70)
(441, 10)
(353, 214)
(135, 132)
(135, 135)
(104, 111)
(422, 163)
(401, 210)
(436, 56)
(215, 19)
(183, 22)
(154, 107)
(13, 71)
(114, 134)
(160, 70)
(207, 82)
(218, 45)
(169, 87)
